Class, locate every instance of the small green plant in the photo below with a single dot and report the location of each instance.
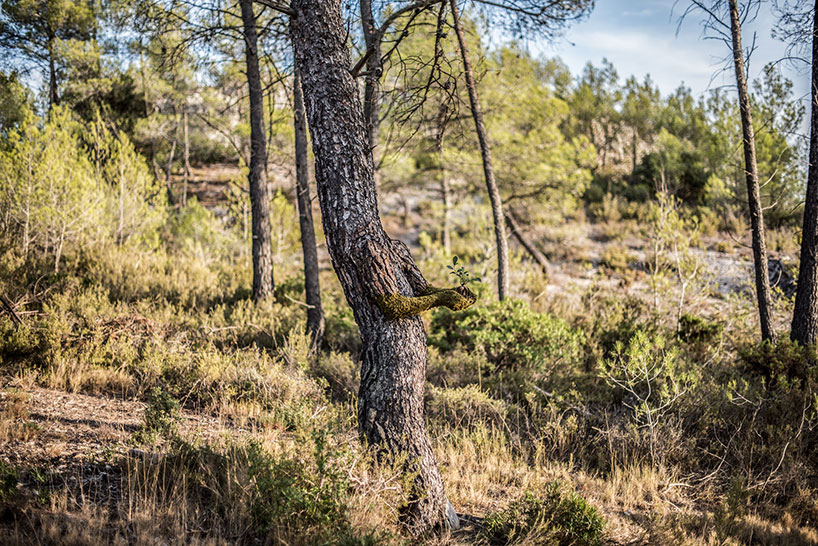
(462, 275)
(558, 517)
(161, 416)
(9, 476)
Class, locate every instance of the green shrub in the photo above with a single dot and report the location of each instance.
(17, 341)
(616, 258)
(161, 417)
(608, 319)
(511, 335)
(650, 378)
(9, 476)
(464, 406)
(785, 359)
(698, 330)
(341, 332)
(340, 373)
(292, 494)
(559, 517)
(262, 497)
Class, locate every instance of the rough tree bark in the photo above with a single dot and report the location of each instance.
(315, 312)
(380, 280)
(485, 151)
(805, 315)
(259, 193)
(751, 170)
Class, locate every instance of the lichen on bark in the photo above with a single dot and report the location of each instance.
(396, 306)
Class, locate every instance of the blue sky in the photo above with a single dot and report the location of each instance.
(640, 37)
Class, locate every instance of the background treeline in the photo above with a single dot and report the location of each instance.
(561, 140)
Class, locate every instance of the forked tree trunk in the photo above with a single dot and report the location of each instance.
(751, 170)
(315, 312)
(259, 193)
(488, 168)
(805, 316)
(369, 264)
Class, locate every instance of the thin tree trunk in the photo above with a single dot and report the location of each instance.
(805, 316)
(445, 188)
(488, 169)
(315, 312)
(169, 166)
(529, 247)
(372, 79)
(53, 97)
(259, 192)
(373, 269)
(187, 158)
(753, 192)
(633, 150)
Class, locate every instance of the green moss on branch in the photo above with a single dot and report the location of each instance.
(396, 306)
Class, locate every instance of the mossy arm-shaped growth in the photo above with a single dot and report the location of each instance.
(396, 306)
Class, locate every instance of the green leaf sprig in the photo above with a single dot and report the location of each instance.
(460, 272)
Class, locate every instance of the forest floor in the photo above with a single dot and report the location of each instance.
(72, 442)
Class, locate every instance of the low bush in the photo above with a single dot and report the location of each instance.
(510, 334)
(161, 417)
(783, 360)
(695, 329)
(246, 492)
(558, 517)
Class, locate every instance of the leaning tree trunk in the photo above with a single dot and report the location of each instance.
(488, 168)
(805, 316)
(753, 192)
(259, 193)
(315, 312)
(529, 247)
(380, 280)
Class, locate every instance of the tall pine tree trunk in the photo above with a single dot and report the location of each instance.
(805, 316)
(315, 312)
(372, 78)
(488, 168)
(751, 170)
(445, 187)
(53, 96)
(259, 193)
(372, 268)
(186, 157)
